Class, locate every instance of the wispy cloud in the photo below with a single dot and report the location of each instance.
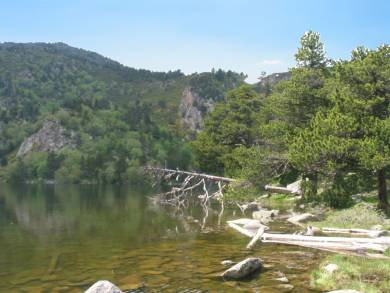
(271, 62)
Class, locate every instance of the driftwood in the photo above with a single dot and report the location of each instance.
(370, 233)
(256, 238)
(180, 172)
(336, 244)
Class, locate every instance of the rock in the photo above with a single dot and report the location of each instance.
(301, 218)
(331, 268)
(375, 234)
(252, 206)
(227, 262)
(376, 227)
(264, 216)
(282, 279)
(103, 287)
(243, 268)
(50, 138)
(192, 109)
(345, 291)
(295, 187)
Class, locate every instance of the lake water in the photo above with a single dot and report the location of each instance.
(61, 238)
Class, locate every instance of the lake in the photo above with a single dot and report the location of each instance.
(61, 238)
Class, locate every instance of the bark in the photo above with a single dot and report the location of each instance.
(382, 191)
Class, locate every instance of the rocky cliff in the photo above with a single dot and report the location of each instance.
(51, 137)
(192, 110)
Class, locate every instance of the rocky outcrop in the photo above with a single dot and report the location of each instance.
(192, 110)
(243, 268)
(50, 138)
(103, 287)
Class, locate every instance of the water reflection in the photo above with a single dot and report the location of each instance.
(61, 238)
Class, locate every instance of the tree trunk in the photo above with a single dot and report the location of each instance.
(382, 191)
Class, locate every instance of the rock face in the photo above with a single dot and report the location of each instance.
(50, 138)
(243, 268)
(192, 110)
(103, 287)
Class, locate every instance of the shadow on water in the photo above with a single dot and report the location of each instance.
(61, 238)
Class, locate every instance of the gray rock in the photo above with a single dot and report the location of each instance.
(191, 115)
(331, 268)
(243, 268)
(227, 262)
(264, 216)
(252, 206)
(282, 279)
(50, 138)
(103, 287)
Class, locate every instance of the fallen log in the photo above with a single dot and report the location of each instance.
(336, 244)
(205, 176)
(293, 188)
(370, 233)
(278, 189)
(256, 238)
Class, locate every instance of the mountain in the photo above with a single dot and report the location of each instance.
(107, 118)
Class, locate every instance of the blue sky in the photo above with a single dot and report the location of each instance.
(196, 35)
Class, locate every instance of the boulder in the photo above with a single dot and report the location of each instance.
(331, 268)
(301, 218)
(252, 206)
(243, 268)
(103, 287)
(264, 216)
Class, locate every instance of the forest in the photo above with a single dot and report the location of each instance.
(329, 124)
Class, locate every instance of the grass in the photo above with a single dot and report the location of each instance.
(361, 274)
(278, 201)
(362, 216)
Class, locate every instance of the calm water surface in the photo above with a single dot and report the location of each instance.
(63, 238)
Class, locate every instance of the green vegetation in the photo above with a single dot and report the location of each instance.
(361, 216)
(118, 118)
(329, 123)
(361, 274)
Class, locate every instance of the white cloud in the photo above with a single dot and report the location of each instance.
(271, 62)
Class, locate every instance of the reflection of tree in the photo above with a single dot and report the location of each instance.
(88, 212)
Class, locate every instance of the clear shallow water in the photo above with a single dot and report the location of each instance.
(63, 238)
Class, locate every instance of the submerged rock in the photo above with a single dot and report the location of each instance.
(103, 287)
(243, 268)
(227, 262)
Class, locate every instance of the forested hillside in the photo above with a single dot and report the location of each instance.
(90, 118)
